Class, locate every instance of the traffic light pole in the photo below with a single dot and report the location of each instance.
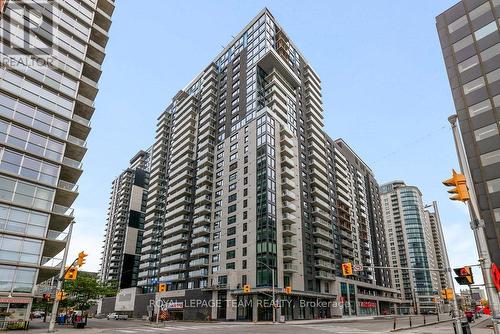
(60, 281)
(477, 226)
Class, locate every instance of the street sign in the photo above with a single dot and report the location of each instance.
(357, 267)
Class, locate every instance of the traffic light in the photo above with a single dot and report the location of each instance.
(61, 295)
(464, 275)
(71, 273)
(81, 258)
(495, 275)
(288, 290)
(347, 269)
(246, 288)
(162, 287)
(461, 191)
(447, 294)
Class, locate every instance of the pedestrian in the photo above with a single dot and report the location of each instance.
(469, 315)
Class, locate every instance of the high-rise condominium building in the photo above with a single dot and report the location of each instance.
(246, 189)
(470, 41)
(438, 245)
(410, 245)
(51, 54)
(125, 223)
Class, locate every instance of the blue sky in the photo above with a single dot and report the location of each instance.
(385, 91)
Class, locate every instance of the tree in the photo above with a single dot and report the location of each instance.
(83, 292)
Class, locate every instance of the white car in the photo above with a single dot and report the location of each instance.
(112, 316)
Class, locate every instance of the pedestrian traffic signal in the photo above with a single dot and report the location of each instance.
(162, 287)
(347, 269)
(246, 288)
(61, 295)
(460, 189)
(465, 276)
(288, 290)
(447, 294)
(71, 273)
(81, 258)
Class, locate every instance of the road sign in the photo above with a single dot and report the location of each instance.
(357, 267)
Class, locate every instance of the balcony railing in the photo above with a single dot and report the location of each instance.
(57, 235)
(67, 186)
(72, 163)
(51, 262)
(63, 210)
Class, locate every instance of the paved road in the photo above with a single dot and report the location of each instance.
(383, 326)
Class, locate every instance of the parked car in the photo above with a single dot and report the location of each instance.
(117, 316)
(113, 316)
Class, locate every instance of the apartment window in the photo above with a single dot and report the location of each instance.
(493, 185)
(231, 208)
(233, 137)
(245, 181)
(26, 194)
(232, 187)
(246, 137)
(493, 76)
(230, 265)
(233, 156)
(216, 246)
(245, 225)
(215, 269)
(231, 220)
(477, 12)
(463, 43)
(16, 249)
(230, 254)
(35, 169)
(231, 230)
(233, 166)
(468, 64)
(231, 198)
(245, 203)
(245, 192)
(245, 160)
(244, 264)
(216, 258)
(490, 52)
(473, 85)
(233, 147)
(231, 242)
(496, 213)
(245, 170)
(486, 30)
(245, 239)
(479, 108)
(486, 132)
(15, 279)
(490, 158)
(232, 176)
(245, 214)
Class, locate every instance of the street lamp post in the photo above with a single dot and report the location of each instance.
(477, 226)
(273, 292)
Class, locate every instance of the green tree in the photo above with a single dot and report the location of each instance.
(85, 290)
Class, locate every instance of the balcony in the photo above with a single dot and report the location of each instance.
(66, 193)
(319, 232)
(324, 254)
(174, 277)
(200, 241)
(326, 275)
(199, 262)
(288, 195)
(289, 243)
(289, 230)
(289, 218)
(287, 173)
(199, 231)
(289, 268)
(202, 251)
(198, 273)
(289, 207)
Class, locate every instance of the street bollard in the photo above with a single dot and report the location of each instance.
(410, 321)
(424, 319)
(394, 326)
(438, 316)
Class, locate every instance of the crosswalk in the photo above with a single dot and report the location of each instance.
(339, 329)
(173, 329)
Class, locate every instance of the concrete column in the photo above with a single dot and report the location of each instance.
(255, 315)
(214, 305)
(231, 308)
(378, 307)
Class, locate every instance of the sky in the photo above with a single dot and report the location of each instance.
(384, 84)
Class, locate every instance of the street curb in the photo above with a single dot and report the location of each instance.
(421, 325)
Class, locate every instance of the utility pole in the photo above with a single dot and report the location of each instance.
(456, 314)
(60, 281)
(477, 226)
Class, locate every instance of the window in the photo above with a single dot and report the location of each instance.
(473, 85)
(215, 269)
(230, 265)
(490, 158)
(231, 254)
(467, 64)
(231, 220)
(493, 185)
(486, 132)
(231, 242)
(231, 208)
(245, 180)
(493, 76)
(231, 230)
(233, 147)
(479, 108)
(245, 215)
(232, 187)
(245, 192)
(216, 246)
(232, 176)
(496, 213)
(486, 30)
(215, 258)
(245, 239)
(231, 198)
(244, 251)
(234, 137)
(477, 12)
(233, 156)
(245, 225)
(490, 52)
(244, 264)
(245, 203)
(463, 43)
(457, 24)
